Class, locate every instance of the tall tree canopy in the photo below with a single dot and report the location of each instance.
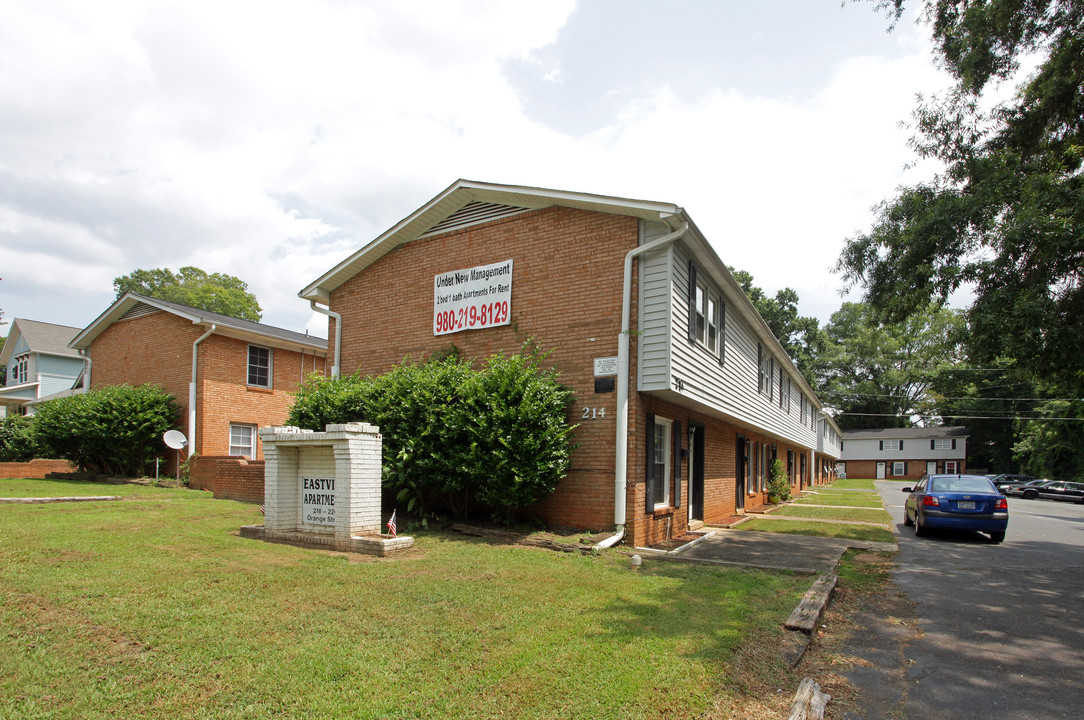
(224, 294)
(1006, 216)
(800, 336)
(880, 374)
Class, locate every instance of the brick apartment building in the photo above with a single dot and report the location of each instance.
(230, 377)
(683, 394)
(904, 453)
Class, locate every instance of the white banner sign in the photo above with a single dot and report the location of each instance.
(318, 501)
(473, 298)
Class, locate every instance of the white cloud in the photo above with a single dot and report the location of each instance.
(270, 140)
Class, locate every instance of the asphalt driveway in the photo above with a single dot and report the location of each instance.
(973, 629)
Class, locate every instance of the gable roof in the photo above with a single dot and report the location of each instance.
(467, 202)
(40, 337)
(906, 433)
(132, 305)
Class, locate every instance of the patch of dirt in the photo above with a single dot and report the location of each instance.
(676, 542)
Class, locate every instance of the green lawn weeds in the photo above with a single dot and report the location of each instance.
(155, 607)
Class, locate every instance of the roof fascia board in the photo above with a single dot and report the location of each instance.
(459, 194)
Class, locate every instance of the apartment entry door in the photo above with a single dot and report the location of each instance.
(696, 471)
(880, 471)
(741, 472)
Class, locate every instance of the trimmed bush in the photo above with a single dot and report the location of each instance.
(115, 430)
(778, 484)
(455, 438)
(17, 439)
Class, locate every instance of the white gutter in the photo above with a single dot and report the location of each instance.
(192, 391)
(338, 333)
(621, 458)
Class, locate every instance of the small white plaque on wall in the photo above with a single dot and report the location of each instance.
(605, 366)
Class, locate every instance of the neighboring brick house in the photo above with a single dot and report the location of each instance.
(229, 376)
(904, 453)
(39, 364)
(679, 410)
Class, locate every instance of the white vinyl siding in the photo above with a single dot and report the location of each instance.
(668, 361)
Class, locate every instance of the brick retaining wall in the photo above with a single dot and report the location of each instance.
(228, 477)
(34, 468)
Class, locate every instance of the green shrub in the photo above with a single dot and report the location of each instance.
(115, 430)
(456, 438)
(17, 439)
(778, 483)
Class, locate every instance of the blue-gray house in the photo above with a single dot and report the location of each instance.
(39, 364)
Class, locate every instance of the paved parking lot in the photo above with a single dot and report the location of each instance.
(995, 629)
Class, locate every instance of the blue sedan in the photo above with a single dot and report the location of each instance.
(957, 502)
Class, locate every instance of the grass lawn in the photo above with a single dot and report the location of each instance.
(852, 498)
(832, 513)
(852, 484)
(797, 527)
(154, 607)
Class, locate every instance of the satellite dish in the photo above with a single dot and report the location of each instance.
(175, 439)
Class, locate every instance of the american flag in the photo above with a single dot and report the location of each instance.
(391, 525)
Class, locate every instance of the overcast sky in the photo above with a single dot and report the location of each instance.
(269, 140)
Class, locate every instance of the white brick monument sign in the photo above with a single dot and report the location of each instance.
(323, 489)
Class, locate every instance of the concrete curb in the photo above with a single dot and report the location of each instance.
(78, 498)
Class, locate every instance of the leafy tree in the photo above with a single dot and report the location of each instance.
(1006, 216)
(220, 293)
(115, 430)
(880, 374)
(801, 337)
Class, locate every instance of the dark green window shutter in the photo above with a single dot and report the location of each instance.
(649, 466)
(722, 331)
(692, 301)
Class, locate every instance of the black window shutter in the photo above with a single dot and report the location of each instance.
(932, 444)
(675, 462)
(692, 301)
(722, 331)
(882, 445)
(953, 443)
(649, 467)
(905, 468)
(760, 368)
(901, 444)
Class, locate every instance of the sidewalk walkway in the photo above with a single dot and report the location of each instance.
(774, 551)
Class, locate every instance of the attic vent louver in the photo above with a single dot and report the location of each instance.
(474, 213)
(139, 310)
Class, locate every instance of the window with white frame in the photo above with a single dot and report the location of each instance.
(661, 459)
(891, 445)
(243, 440)
(22, 369)
(899, 469)
(259, 366)
(943, 444)
(707, 315)
(950, 467)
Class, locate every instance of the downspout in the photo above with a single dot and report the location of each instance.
(338, 333)
(86, 372)
(192, 392)
(621, 457)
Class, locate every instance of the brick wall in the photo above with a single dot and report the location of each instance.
(34, 468)
(157, 349)
(229, 478)
(915, 469)
(566, 294)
